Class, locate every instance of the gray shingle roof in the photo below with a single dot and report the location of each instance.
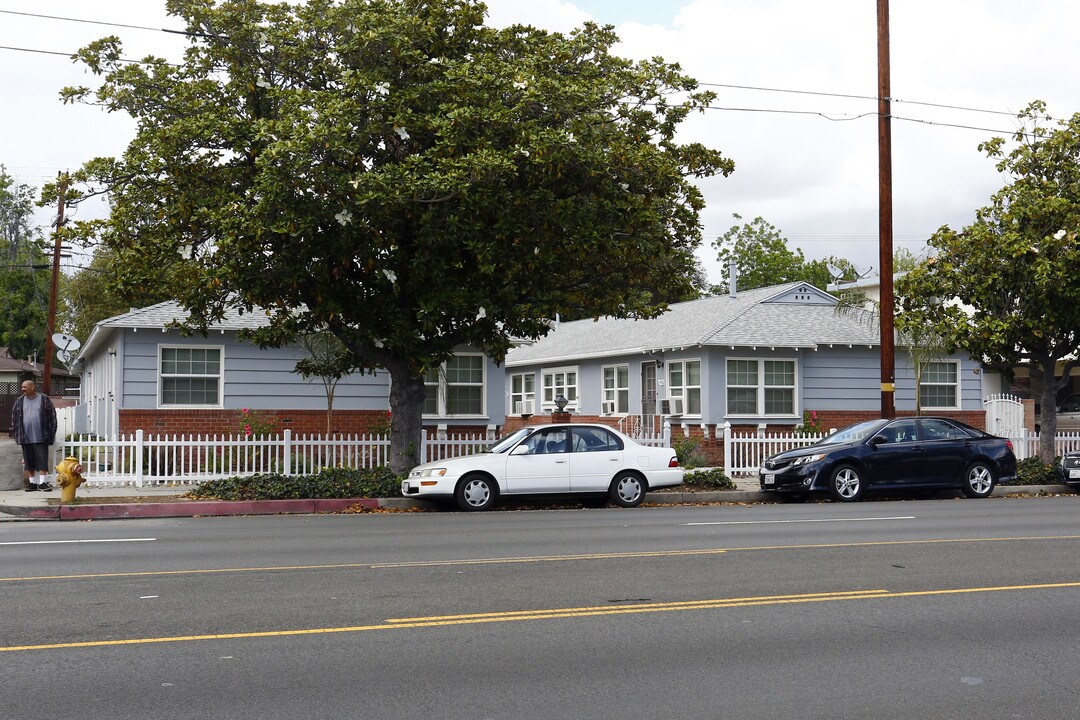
(764, 317)
(159, 316)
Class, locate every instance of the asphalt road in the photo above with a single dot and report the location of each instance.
(935, 609)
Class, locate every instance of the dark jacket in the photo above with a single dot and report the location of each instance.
(48, 421)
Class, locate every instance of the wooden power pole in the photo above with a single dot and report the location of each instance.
(885, 220)
(50, 322)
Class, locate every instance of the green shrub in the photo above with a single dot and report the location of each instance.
(709, 479)
(1033, 471)
(338, 482)
(687, 451)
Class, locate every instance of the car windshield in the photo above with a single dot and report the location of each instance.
(510, 440)
(855, 433)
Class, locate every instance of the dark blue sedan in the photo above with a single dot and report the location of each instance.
(924, 453)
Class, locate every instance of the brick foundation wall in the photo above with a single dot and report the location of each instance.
(301, 422)
(227, 422)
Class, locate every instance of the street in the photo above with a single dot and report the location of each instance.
(885, 609)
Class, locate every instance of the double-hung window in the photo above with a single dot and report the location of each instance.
(616, 392)
(456, 388)
(761, 388)
(684, 381)
(523, 394)
(560, 381)
(939, 386)
(189, 376)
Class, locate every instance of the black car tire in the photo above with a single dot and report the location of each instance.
(475, 492)
(846, 484)
(627, 490)
(978, 480)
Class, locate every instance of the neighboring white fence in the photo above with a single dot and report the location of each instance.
(744, 452)
(1004, 415)
(142, 459)
(1026, 444)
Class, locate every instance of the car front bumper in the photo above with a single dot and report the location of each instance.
(800, 479)
(429, 486)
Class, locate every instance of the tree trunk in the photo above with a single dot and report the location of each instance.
(1048, 409)
(407, 393)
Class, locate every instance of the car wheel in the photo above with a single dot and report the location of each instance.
(978, 480)
(846, 485)
(475, 492)
(627, 490)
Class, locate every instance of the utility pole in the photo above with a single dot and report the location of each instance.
(50, 323)
(885, 219)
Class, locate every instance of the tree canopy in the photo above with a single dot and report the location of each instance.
(763, 257)
(24, 286)
(1006, 288)
(400, 175)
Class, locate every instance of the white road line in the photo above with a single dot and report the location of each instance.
(784, 522)
(70, 542)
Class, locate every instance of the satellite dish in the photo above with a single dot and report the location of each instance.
(64, 356)
(834, 272)
(66, 343)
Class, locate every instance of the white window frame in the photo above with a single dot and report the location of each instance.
(525, 394)
(954, 385)
(680, 391)
(161, 377)
(614, 393)
(760, 402)
(444, 385)
(548, 403)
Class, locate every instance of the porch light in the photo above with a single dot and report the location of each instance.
(560, 402)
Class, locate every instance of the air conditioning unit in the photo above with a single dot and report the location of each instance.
(608, 408)
(672, 406)
(523, 407)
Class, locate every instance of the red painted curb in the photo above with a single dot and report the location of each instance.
(206, 508)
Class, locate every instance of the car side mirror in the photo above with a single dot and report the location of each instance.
(878, 440)
(520, 450)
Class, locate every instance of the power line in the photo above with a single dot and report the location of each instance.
(857, 97)
(756, 88)
(89, 22)
(67, 54)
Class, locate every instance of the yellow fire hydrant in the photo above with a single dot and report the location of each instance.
(69, 475)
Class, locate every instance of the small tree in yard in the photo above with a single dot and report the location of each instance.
(1006, 288)
(399, 175)
(329, 360)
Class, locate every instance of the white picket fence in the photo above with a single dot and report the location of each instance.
(744, 452)
(141, 459)
(1026, 444)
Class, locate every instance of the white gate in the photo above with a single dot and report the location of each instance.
(1004, 415)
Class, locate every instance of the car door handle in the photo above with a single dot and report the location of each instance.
(560, 462)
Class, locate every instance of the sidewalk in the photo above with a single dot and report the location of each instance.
(161, 501)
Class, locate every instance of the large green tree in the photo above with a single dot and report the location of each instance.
(763, 257)
(400, 175)
(24, 285)
(1006, 288)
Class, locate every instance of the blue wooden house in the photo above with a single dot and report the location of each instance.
(138, 373)
(758, 358)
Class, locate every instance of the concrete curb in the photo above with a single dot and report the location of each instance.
(218, 508)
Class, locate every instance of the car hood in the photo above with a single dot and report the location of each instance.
(461, 463)
(789, 455)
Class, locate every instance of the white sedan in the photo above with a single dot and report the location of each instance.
(560, 459)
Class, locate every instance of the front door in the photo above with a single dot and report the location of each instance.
(648, 389)
(545, 468)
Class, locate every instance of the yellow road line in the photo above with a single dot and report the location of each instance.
(531, 558)
(551, 614)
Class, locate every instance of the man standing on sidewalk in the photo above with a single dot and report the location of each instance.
(33, 423)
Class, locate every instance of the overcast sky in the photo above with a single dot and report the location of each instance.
(805, 162)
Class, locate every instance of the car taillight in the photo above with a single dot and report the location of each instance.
(1008, 444)
(673, 462)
